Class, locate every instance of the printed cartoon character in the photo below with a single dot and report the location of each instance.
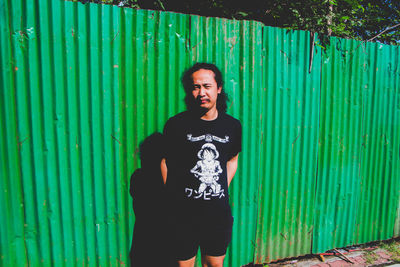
(208, 168)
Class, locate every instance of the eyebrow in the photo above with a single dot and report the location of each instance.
(201, 83)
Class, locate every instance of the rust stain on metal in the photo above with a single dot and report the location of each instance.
(19, 144)
(286, 55)
(232, 42)
(283, 236)
(309, 232)
(116, 139)
(115, 36)
(295, 139)
(193, 47)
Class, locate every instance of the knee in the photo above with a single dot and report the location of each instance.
(210, 261)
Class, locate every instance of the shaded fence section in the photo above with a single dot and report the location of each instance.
(82, 85)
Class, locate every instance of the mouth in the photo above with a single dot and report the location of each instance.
(204, 101)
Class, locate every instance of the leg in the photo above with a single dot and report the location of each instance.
(215, 241)
(217, 187)
(211, 261)
(187, 263)
(213, 188)
(202, 187)
(182, 244)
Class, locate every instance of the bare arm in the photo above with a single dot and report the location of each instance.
(164, 170)
(231, 167)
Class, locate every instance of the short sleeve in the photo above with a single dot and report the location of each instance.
(237, 143)
(167, 139)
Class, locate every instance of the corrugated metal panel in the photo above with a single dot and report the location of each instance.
(357, 186)
(380, 161)
(11, 196)
(290, 130)
(152, 48)
(78, 88)
(339, 144)
(396, 231)
(88, 84)
(63, 119)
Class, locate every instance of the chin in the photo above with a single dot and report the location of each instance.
(203, 108)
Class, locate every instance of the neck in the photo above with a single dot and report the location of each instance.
(212, 114)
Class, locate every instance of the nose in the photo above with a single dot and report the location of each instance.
(202, 91)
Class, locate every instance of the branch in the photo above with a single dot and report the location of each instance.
(388, 29)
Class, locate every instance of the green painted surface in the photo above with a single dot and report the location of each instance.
(82, 85)
(358, 161)
(380, 161)
(290, 116)
(339, 145)
(88, 84)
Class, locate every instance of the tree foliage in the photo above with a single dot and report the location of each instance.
(358, 19)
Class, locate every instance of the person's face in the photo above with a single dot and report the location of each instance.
(208, 155)
(205, 89)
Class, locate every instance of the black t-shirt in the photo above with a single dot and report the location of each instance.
(196, 154)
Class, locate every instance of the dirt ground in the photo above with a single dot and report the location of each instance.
(383, 253)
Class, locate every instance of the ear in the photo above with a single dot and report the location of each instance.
(219, 90)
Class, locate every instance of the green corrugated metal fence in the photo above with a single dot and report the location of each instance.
(358, 160)
(290, 131)
(82, 85)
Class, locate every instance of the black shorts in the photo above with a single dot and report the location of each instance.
(212, 236)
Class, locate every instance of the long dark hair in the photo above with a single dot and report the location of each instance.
(187, 82)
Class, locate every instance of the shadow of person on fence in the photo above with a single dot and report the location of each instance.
(147, 190)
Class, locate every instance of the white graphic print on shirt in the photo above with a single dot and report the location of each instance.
(207, 168)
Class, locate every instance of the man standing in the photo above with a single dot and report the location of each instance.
(200, 160)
